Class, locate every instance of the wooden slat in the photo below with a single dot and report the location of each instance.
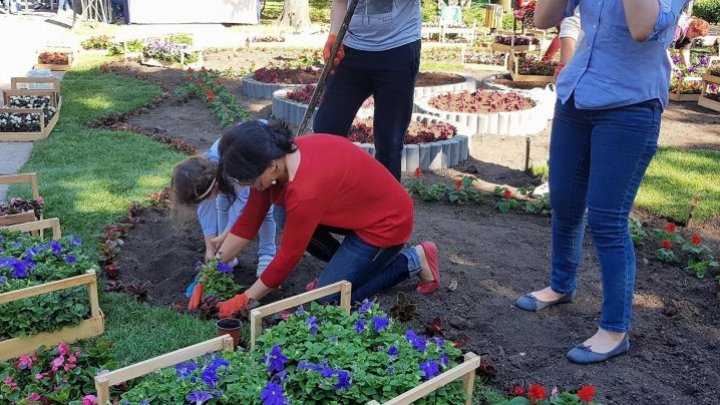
(41, 225)
(105, 381)
(14, 81)
(83, 279)
(14, 219)
(256, 315)
(22, 178)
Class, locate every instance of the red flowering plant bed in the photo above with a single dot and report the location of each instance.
(207, 85)
(696, 256)
(56, 376)
(481, 101)
(536, 394)
(287, 75)
(418, 132)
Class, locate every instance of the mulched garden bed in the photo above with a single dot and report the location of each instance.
(427, 79)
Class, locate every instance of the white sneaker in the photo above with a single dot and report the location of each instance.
(263, 262)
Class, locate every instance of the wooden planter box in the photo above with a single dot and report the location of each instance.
(704, 101)
(678, 96)
(174, 65)
(517, 77)
(45, 127)
(29, 216)
(69, 52)
(16, 81)
(93, 326)
(466, 370)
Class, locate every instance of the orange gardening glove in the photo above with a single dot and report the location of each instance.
(558, 68)
(196, 297)
(328, 46)
(233, 305)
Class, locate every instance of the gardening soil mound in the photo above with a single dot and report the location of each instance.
(427, 79)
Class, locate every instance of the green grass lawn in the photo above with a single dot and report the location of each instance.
(674, 177)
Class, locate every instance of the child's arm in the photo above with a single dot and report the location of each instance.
(207, 215)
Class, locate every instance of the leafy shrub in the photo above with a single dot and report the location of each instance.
(26, 261)
(320, 356)
(507, 21)
(101, 42)
(708, 10)
(476, 12)
(429, 10)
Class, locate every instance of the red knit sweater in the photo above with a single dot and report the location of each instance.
(339, 185)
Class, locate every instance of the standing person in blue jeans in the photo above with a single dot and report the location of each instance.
(380, 56)
(607, 119)
(194, 183)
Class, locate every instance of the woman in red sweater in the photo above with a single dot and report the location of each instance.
(323, 182)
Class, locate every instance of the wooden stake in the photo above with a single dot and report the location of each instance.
(527, 154)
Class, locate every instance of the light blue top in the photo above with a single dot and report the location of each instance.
(207, 209)
(379, 25)
(609, 68)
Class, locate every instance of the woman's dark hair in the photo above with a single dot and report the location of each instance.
(248, 149)
(191, 180)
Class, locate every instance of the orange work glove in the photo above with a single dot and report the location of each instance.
(196, 297)
(558, 68)
(328, 46)
(233, 305)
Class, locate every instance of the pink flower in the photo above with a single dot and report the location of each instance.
(34, 397)
(72, 359)
(57, 363)
(89, 400)
(40, 201)
(25, 362)
(69, 366)
(64, 349)
(9, 381)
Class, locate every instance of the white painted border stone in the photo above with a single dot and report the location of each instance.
(258, 89)
(513, 123)
(433, 155)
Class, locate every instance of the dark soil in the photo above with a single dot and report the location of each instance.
(494, 258)
(427, 79)
(288, 76)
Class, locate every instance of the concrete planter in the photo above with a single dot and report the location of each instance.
(432, 155)
(293, 112)
(468, 85)
(258, 89)
(512, 123)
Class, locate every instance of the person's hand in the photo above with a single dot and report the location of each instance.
(196, 297)
(233, 305)
(217, 241)
(328, 47)
(558, 69)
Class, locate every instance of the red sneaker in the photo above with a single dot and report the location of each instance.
(311, 285)
(431, 254)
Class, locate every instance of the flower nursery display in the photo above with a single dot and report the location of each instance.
(532, 66)
(418, 132)
(18, 205)
(316, 356)
(43, 102)
(54, 58)
(27, 261)
(481, 101)
(518, 40)
(170, 52)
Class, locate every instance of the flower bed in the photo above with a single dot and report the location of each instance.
(530, 69)
(28, 114)
(488, 112)
(290, 105)
(206, 84)
(429, 144)
(170, 54)
(266, 81)
(320, 355)
(431, 83)
(45, 287)
(58, 375)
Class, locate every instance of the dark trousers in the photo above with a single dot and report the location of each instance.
(389, 76)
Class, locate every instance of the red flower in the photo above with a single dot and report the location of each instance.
(191, 70)
(537, 392)
(518, 391)
(666, 244)
(199, 81)
(586, 393)
(218, 82)
(695, 239)
(210, 95)
(507, 193)
(418, 172)
(458, 185)
(670, 227)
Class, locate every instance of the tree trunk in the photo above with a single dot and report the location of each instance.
(296, 13)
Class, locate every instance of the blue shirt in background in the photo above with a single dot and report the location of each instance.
(609, 68)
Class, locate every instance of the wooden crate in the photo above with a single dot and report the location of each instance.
(103, 382)
(45, 127)
(704, 101)
(517, 77)
(678, 96)
(68, 51)
(29, 216)
(15, 81)
(37, 228)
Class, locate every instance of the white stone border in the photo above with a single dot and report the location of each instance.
(432, 155)
(512, 123)
(258, 89)
(470, 84)
(293, 112)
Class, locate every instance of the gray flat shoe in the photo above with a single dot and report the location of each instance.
(529, 303)
(582, 354)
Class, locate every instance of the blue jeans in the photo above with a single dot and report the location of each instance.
(118, 8)
(369, 268)
(64, 5)
(597, 161)
(387, 75)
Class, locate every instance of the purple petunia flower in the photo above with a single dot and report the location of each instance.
(393, 351)
(333, 339)
(185, 369)
(430, 368)
(76, 241)
(418, 342)
(21, 268)
(272, 394)
(70, 259)
(55, 246)
(381, 323)
(3, 279)
(312, 322)
(444, 360)
(209, 377)
(198, 264)
(390, 370)
(275, 360)
(343, 381)
(300, 310)
(365, 307)
(440, 342)
(199, 397)
(224, 268)
(327, 372)
(360, 326)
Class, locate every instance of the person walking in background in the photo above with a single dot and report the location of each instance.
(10, 6)
(380, 56)
(604, 135)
